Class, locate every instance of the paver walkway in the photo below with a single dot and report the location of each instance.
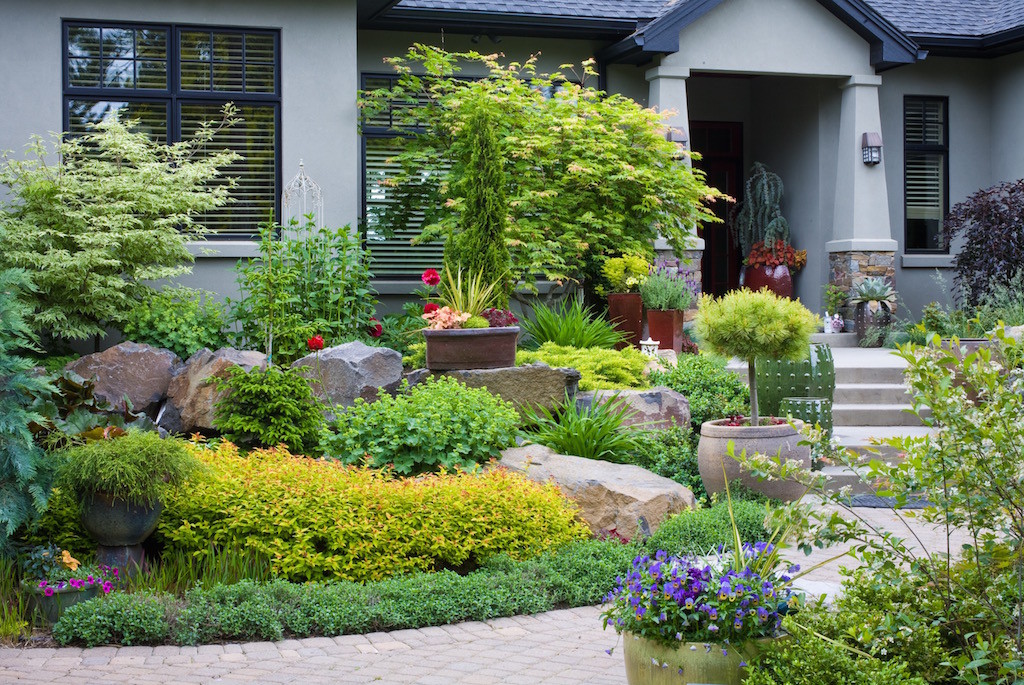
(558, 648)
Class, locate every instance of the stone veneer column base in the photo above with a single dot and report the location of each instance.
(848, 269)
(686, 262)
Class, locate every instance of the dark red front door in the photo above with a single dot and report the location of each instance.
(720, 144)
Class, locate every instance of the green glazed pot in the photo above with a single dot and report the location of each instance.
(651, 663)
(51, 608)
(778, 379)
(810, 410)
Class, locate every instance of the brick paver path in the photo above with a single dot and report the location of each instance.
(558, 648)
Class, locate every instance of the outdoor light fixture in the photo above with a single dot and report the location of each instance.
(676, 135)
(649, 347)
(871, 148)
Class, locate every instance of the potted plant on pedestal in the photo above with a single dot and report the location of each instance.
(687, 619)
(873, 300)
(54, 580)
(752, 325)
(625, 275)
(120, 484)
(762, 234)
(666, 297)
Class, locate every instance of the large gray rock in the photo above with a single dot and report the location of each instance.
(610, 496)
(657, 407)
(352, 370)
(141, 373)
(531, 385)
(192, 397)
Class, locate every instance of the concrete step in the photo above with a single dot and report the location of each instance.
(871, 393)
(858, 375)
(860, 439)
(836, 340)
(873, 415)
(840, 477)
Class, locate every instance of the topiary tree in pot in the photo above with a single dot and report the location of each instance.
(750, 325)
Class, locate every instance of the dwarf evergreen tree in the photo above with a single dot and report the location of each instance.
(477, 245)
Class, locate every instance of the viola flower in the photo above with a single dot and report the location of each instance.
(315, 343)
(376, 329)
(430, 307)
(431, 277)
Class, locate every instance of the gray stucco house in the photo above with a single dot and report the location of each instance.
(792, 83)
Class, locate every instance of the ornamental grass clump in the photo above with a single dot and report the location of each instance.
(749, 325)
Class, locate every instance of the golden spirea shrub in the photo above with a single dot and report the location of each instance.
(317, 519)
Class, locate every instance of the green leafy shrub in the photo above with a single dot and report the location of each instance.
(317, 519)
(266, 408)
(416, 356)
(570, 324)
(439, 423)
(139, 618)
(700, 530)
(25, 473)
(115, 214)
(714, 392)
(671, 453)
(181, 320)
(625, 274)
(139, 467)
(307, 281)
(599, 369)
(593, 432)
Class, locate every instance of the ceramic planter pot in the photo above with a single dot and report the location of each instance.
(626, 312)
(778, 279)
(810, 410)
(871, 325)
(782, 440)
(689, 662)
(115, 523)
(666, 326)
(471, 348)
(781, 378)
(51, 608)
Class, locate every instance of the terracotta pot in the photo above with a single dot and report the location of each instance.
(778, 279)
(865, 321)
(782, 440)
(626, 312)
(51, 608)
(113, 522)
(471, 348)
(689, 662)
(666, 326)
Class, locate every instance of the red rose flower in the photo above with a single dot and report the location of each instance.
(376, 330)
(430, 307)
(431, 277)
(315, 343)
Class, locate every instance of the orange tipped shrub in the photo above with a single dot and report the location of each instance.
(317, 519)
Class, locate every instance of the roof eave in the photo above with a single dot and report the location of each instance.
(991, 45)
(457, 21)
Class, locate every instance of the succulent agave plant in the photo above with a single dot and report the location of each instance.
(874, 291)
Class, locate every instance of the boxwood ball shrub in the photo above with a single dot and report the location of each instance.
(599, 369)
(439, 423)
(317, 519)
(714, 391)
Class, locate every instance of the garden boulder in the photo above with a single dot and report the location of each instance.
(530, 385)
(610, 496)
(657, 407)
(355, 369)
(141, 373)
(191, 397)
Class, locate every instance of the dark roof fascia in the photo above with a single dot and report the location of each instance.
(458, 21)
(369, 10)
(992, 45)
(889, 46)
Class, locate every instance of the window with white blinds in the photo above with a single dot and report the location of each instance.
(171, 79)
(926, 172)
(392, 253)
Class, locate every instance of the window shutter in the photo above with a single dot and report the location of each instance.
(924, 186)
(926, 160)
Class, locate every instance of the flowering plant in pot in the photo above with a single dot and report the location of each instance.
(625, 275)
(750, 325)
(762, 234)
(701, 617)
(666, 297)
(54, 580)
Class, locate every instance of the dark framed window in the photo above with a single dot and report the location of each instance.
(171, 78)
(925, 173)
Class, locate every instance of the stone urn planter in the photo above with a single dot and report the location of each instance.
(772, 439)
(689, 662)
(471, 348)
(626, 312)
(666, 326)
(119, 529)
(778, 279)
(777, 379)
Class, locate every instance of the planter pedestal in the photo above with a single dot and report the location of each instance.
(119, 528)
(626, 312)
(782, 440)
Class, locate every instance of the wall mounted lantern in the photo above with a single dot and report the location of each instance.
(871, 148)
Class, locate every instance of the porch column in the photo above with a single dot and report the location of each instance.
(667, 93)
(862, 244)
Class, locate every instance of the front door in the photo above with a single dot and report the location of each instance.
(720, 144)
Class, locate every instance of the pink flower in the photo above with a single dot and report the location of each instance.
(48, 592)
(90, 580)
(42, 583)
(430, 307)
(107, 587)
(376, 329)
(431, 277)
(315, 343)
